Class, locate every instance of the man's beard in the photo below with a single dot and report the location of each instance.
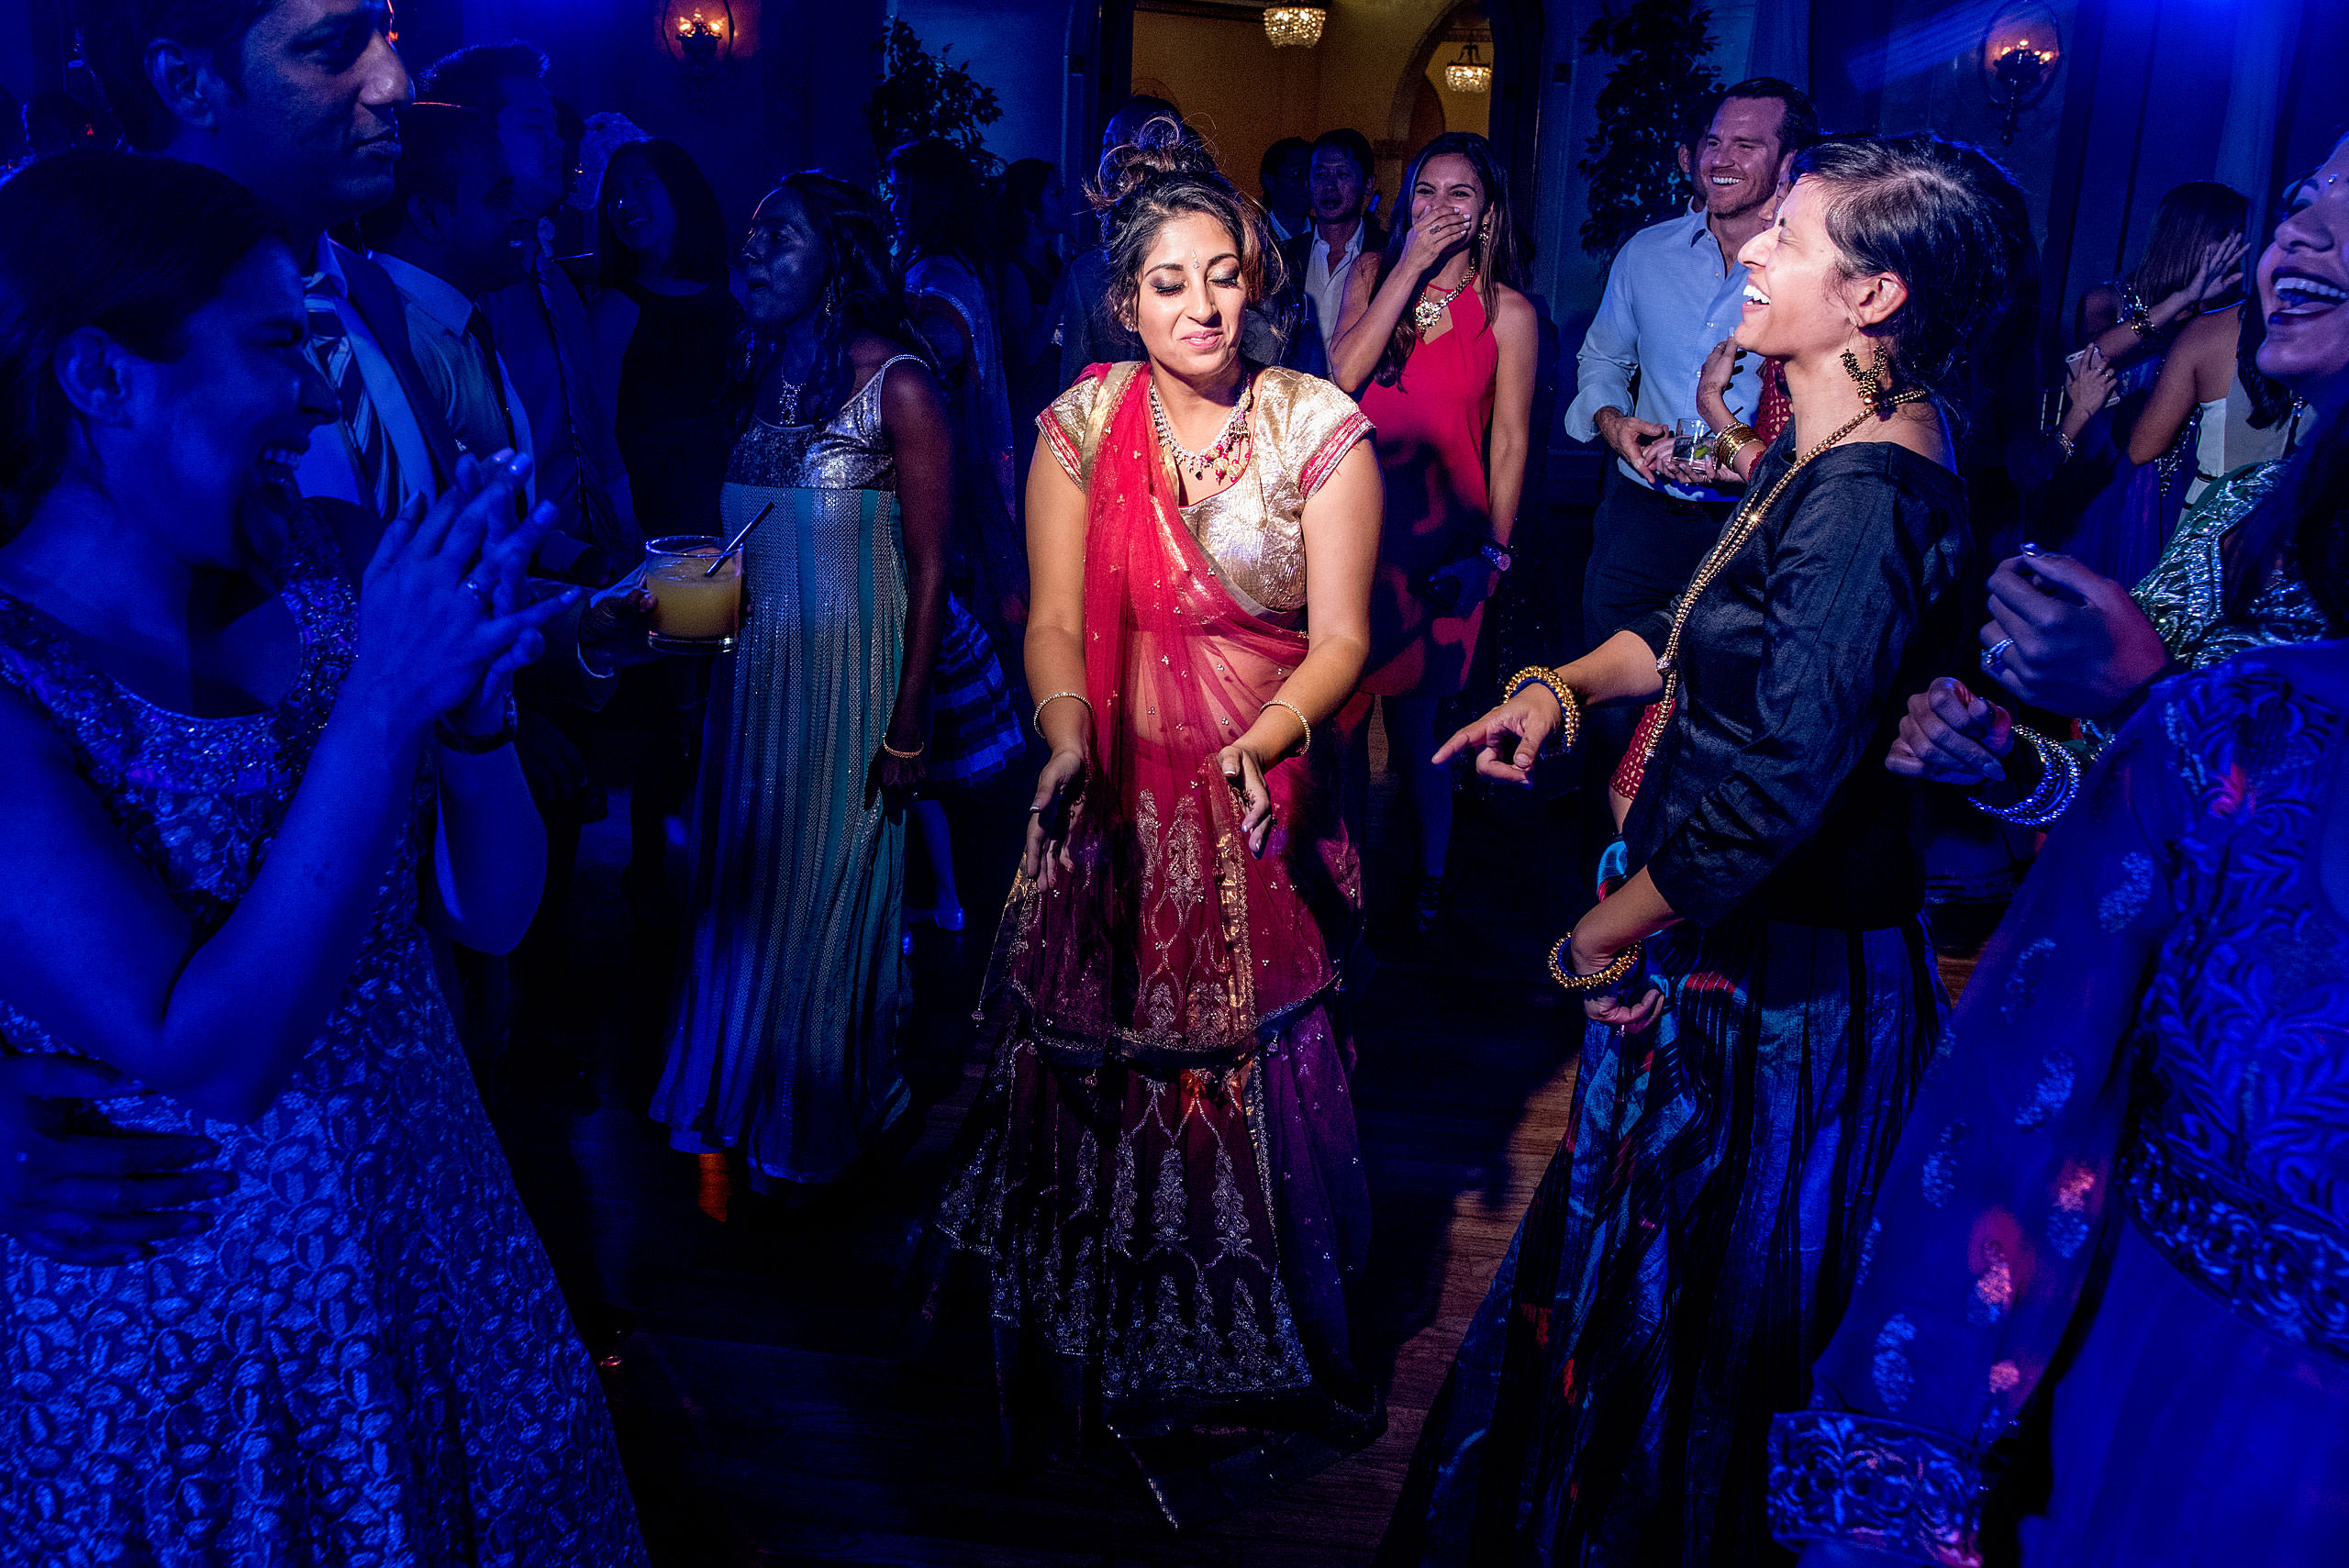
(1712, 209)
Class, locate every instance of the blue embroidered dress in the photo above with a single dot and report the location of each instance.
(364, 1361)
(2127, 1180)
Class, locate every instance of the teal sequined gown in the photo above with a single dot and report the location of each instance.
(784, 1039)
(364, 1361)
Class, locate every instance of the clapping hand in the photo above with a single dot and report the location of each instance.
(433, 635)
(503, 572)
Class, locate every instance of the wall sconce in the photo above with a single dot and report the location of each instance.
(1295, 26)
(1469, 74)
(699, 35)
(2018, 56)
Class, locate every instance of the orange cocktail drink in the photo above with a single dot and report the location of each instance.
(695, 610)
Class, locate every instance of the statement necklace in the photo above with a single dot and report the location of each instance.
(1427, 312)
(1743, 528)
(1221, 460)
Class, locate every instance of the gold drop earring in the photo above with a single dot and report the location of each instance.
(1873, 391)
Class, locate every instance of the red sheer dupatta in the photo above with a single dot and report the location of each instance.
(1171, 944)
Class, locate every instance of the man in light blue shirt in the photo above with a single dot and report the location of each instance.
(1675, 291)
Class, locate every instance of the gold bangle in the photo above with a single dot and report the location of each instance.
(1732, 440)
(1620, 965)
(1036, 720)
(1283, 702)
(904, 756)
(1569, 702)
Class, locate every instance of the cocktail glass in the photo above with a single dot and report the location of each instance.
(694, 609)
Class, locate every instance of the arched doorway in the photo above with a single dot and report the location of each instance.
(1214, 60)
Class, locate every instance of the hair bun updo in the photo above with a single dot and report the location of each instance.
(1163, 148)
(1165, 172)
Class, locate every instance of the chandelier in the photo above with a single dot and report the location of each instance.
(1469, 74)
(1295, 26)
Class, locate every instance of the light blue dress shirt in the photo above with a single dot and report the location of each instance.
(1669, 299)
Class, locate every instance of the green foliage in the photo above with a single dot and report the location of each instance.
(1659, 85)
(923, 94)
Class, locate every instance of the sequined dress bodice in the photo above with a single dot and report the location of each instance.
(848, 450)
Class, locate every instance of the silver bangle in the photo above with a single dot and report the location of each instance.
(2059, 786)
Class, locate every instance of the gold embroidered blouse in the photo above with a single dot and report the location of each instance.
(1253, 532)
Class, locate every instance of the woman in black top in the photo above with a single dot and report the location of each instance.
(666, 328)
(1739, 1092)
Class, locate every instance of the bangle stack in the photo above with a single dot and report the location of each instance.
(1037, 719)
(1569, 704)
(1603, 979)
(1303, 722)
(1731, 439)
(2059, 786)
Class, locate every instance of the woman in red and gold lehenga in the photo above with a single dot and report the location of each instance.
(1160, 1182)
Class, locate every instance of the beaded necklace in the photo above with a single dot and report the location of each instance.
(1742, 527)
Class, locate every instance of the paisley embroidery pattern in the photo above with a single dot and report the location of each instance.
(1877, 1483)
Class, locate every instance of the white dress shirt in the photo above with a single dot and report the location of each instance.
(1325, 275)
(329, 470)
(1669, 299)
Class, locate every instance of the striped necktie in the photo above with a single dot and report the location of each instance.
(364, 434)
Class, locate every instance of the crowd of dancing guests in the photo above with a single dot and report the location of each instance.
(327, 477)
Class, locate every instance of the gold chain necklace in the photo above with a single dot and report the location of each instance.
(1427, 312)
(1741, 529)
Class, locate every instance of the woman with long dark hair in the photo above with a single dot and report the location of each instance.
(1160, 1186)
(2118, 1203)
(665, 326)
(354, 1350)
(1761, 993)
(783, 1047)
(1440, 345)
(2118, 495)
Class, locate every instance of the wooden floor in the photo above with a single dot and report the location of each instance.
(765, 1411)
